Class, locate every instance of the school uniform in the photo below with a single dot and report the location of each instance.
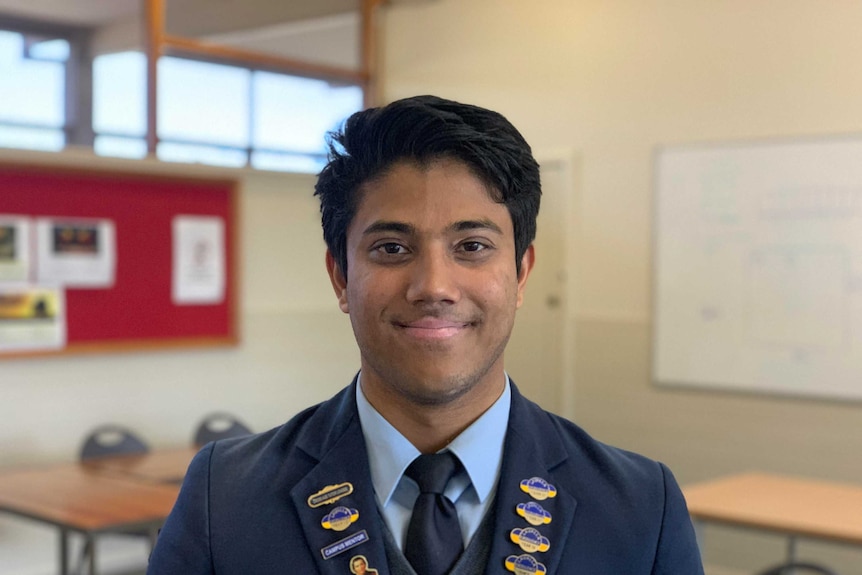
(299, 499)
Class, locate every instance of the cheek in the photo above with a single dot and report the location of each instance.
(366, 297)
(499, 292)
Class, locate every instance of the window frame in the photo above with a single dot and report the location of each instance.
(78, 82)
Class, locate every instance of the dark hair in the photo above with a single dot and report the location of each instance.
(423, 129)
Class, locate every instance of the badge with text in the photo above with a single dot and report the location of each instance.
(329, 494)
(339, 518)
(359, 566)
(524, 565)
(530, 540)
(538, 488)
(534, 513)
(345, 544)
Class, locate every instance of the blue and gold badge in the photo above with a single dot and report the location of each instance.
(530, 540)
(339, 518)
(329, 494)
(524, 565)
(534, 513)
(538, 488)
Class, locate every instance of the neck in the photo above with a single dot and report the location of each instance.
(431, 427)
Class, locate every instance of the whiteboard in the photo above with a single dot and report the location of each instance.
(758, 267)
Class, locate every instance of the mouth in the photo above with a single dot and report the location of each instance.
(431, 328)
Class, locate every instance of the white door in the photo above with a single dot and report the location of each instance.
(539, 349)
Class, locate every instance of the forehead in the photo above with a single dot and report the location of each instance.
(427, 196)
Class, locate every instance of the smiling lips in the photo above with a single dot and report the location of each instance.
(433, 328)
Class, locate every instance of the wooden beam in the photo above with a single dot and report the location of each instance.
(154, 40)
(220, 53)
(368, 50)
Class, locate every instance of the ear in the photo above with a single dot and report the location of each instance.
(339, 282)
(527, 263)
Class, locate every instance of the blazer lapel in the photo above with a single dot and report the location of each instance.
(540, 514)
(335, 501)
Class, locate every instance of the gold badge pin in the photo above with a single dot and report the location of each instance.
(359, 566)
(534, 513)
(530, 540)
(339, 518)
(524, 565)
(329, 494)
(538, 488)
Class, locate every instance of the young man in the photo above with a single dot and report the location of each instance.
(430, 462)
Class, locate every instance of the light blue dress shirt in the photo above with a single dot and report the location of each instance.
(479, 448)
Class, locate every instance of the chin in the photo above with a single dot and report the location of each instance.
(437, 389)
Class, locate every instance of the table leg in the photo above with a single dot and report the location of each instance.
(791, 553)
(64, 552)
(92, 555)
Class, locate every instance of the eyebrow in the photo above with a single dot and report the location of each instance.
(483, 224)
(409, 229)
(389, 226)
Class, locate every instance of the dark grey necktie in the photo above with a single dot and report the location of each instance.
(434, 540)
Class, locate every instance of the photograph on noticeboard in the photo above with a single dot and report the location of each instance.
(32, 318)
(14, 248)
(76, 253)
(76, 239)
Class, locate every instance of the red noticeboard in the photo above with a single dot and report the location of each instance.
(137, 310)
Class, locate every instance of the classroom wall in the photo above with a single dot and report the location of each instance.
(296, 349)
(609, 80)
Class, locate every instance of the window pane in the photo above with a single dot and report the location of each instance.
(49, 140)
(120, 94)
(203, 102)
(294, 114)
(301, 163)
(30, 91)
(51, 50)
(171, 152)
(120, 147)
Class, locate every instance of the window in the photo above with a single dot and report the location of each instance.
(217, 114)
(208, 113)
(291, 136)
(32, 91)
(120, 105)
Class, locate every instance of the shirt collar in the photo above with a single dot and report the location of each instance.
(479, 447)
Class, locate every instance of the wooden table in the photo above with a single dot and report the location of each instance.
(90, 499)
(162, 466)
(792, 506)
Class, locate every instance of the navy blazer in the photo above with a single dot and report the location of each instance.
(248, 506)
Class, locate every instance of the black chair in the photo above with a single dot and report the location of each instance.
(111, 439)
(219, 425)
(798, 568)
(105, 441)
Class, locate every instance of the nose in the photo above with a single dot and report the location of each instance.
(433, 278)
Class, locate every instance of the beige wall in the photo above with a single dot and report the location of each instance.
(610, 80)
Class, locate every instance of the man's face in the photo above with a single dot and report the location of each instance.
(359, 566)
(432, 286)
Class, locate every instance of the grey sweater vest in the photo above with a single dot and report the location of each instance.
(472, 562)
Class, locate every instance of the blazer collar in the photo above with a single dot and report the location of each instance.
(335, 501)
(533, 451)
